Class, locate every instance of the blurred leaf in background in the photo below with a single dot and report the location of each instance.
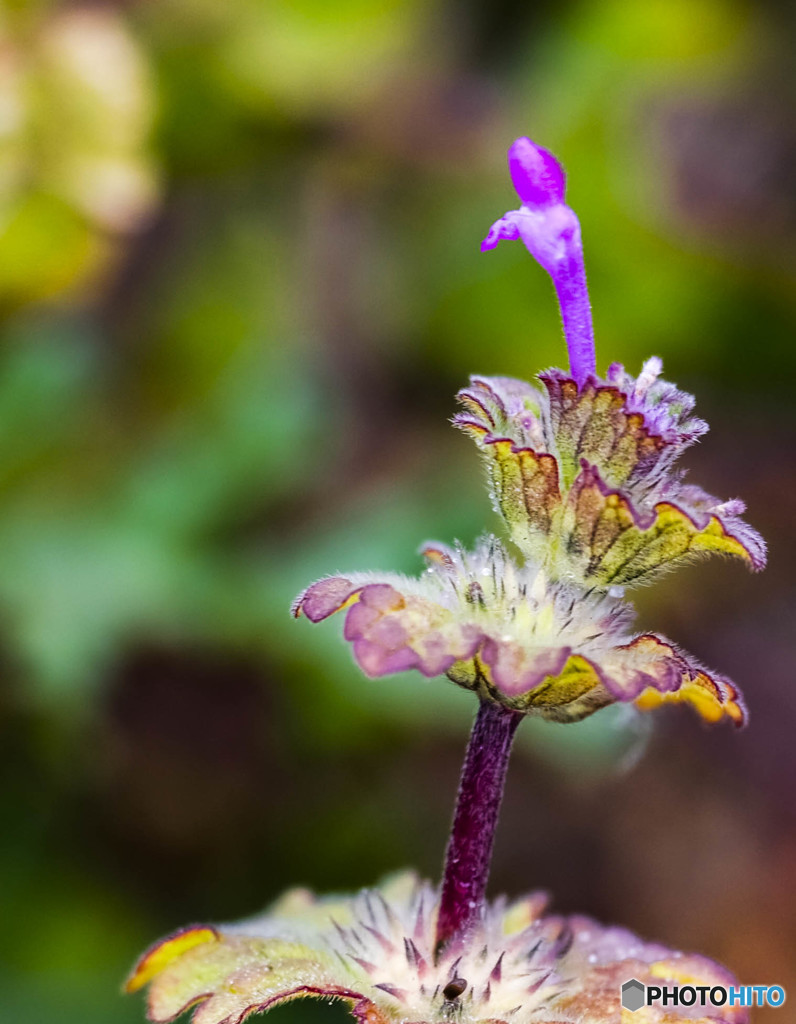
(76, 172)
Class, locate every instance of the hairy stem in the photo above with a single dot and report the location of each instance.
(469, 852)
(573, 299)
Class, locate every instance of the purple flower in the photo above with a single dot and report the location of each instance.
(551, 233)
(376, 953)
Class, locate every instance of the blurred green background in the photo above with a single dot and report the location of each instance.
(240, 282)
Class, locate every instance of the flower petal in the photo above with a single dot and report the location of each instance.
(505, 228)
(537, 176)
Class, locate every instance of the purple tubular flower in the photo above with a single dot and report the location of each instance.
(551, 233)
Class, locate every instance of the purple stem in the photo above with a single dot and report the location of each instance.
(569, 278)
(469, 852)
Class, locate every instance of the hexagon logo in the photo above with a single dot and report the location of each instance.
(633, 995)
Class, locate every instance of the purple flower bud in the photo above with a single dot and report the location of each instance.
(537, 176)
(551, 233)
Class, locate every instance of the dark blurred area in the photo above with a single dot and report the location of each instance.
(240, 282)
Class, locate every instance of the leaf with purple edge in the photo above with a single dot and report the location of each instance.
(608, 542)
(515, 637)
(502, 416)
(593, 423)
(392, 629)
(519, 964)
(233, 975)
(650, 671)
(525, 489)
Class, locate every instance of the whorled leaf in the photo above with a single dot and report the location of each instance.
(582, 475)
(513, 636)
(502, 417)
(632, 429)
(652, 672)
(607, 542)
(518, 965)
(524, 486)
(228, 976)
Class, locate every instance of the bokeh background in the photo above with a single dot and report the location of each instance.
(240, 282)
